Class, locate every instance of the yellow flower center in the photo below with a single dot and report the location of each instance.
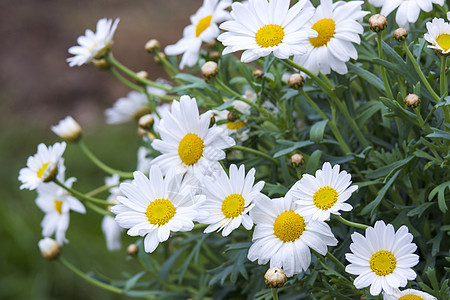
(233, 206)
(58, 206)
(383, 263)
(326, 30)
(190, 149)
(269, 35)
(202, 25)
(41, 171)
(325, 197)
(410, 297)
(443, 40)
(289, 226)
(235, 125)
(160, 211)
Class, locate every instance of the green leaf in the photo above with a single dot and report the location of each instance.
(133, 280)
(372, 205)
(440, 190)
(419, 210)
(366, 111)
(295, 146)
(317, 131)
(383, 171)
(368, 76)
(313, 162)
(437, 133)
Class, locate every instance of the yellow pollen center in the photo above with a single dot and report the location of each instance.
(289, 226)
(326, 30)
(235, 125)
(58, 206)
(160, 211)
(325, 197)
(202, 25)
(443, 40)
(190, 149)
(383, 263)
(233, 206)
(269, 35)
(41, 171)
(410, 297)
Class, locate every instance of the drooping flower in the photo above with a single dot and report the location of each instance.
(68, 129)
(383, 259)
(337, 28)
(438, 35)
(203, 28)
(111, 230)
(93, 45)
(261, 27)
(325, 193)
(408, 294)
(283, 235)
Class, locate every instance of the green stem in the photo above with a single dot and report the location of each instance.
(99, 210)
(125, 81)
(101, 165)
(256, 152)
(167, 64)
(349, 223)
(81, 195)
(100, 189)
(335, 261)
(275, 294)
(444, 87)
(387, 87)
(314, 77)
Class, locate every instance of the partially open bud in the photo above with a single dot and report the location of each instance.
(212, 121)
(157, 60)
(297, 159)
(142, 74)
(50, 249)
(101, 64)
(377, 23)
(258, 73)
(214, 55)
(400, 34)
(231, 117)
(132, 249)
(152, 46)
(412, 100)
(296, 81)
(210, 69)
(275, 278)
(68, 129)
(146, 122)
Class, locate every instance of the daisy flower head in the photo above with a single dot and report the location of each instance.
(408, 10)
(93, 45)
(261, 27)
(283, 235)
(128, 108)
(111, 230)
(203, 28)
(229, 199)
(409, 294)
(187, 142)
(155, 206)
(68, 129)
(43, 166)
(325, 193)
(337, 28)
(438, 35)
(382, 259)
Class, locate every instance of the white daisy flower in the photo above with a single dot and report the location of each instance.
(228, 200)
(155, 206)
(111, 230)
(93, 45)
(203, 28)
(325, 193)
(162, 110)
(382, 259)
(68, 129)
(261, 27)
(187, 143)
(283, 235)
(337, 28)
(408, 294)
(57, 203)
(127, 109)
(43, 166)
(143, 162)
(408, 10)
(438, 35)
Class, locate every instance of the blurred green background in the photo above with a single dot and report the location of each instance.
(37, 89)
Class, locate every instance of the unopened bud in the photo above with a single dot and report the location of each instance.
(295, 81)
(50, 249)
(412, 100)
(210, 69)
(214, 55)
(400, 34)
(258, 73)
(141, 132)
(146, 122)
(297, 159)
(152, 46)
(101, 64)
(211, 44)
(275, 278)
(132, 249)
(377, 23)
(212, 120)
(68, 129)
(142, 74)
(157, 60)
(231, 117)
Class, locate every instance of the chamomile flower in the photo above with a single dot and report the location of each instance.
(283, 235)
(43, 166)
(162, 110)
(187, 143)
(261, 27)
(438, 35)
(68, 129)
(155, 206)
(408, 294)
(127, 109)
(203, 28)
(382, 259)
(337, 28)
(408, 10)
(111, 230)
(93, 45)
(325, 193)
(229, 199)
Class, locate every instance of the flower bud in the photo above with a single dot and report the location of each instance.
(231, 117)
(152, 46)
(214, 55)
(275, 278)
(212, 121)
(211, 44)
(412, 100)
(146, 122)
(157, 60)
(50, 249)
(101, 64)
(296, 81)
(377, 23)
(142, 74)
(68, 129)
(141, 132)
(297, 159)
(210, 69)
(132, 249)
(400, 34)
(258, 73)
